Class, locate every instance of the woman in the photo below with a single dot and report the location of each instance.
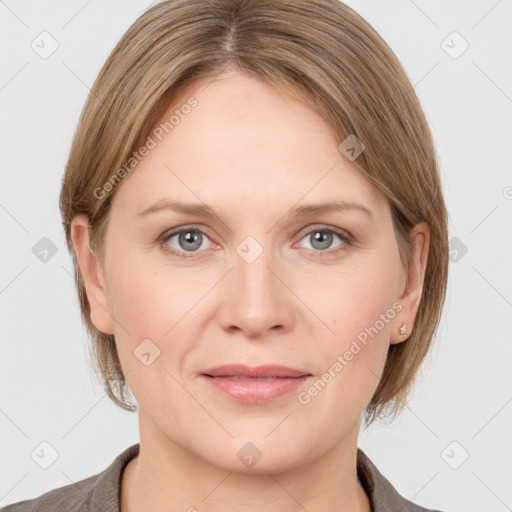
(259, 234)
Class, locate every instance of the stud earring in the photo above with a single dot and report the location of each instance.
(403, 328)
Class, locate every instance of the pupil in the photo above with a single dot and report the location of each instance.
(190, 237)
(323, 238)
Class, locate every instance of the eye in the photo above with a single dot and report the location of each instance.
(191, 240)
(184, 240)
(321, 238)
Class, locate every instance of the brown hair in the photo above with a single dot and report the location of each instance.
(331, 58)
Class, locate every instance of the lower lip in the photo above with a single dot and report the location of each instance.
(256, 391)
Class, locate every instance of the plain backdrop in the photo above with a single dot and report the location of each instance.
(451, 448)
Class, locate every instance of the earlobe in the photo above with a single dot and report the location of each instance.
(413, 287)
(92, 275)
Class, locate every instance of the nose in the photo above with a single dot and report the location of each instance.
(255, 299)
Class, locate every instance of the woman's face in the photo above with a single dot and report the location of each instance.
(257, 280)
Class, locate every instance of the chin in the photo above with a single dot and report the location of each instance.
(257, 455)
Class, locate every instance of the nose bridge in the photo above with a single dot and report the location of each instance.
(256, 301)
(252, 267)
(257, 283)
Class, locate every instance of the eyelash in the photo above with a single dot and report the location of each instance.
(345, 237)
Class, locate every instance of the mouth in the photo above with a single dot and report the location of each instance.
(255, 385)
(254, 372)
(244, 378)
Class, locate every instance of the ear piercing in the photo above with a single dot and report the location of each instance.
(403, 328)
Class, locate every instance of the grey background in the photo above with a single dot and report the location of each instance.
(464, 392)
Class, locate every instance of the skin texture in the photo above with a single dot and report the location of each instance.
(252, 153)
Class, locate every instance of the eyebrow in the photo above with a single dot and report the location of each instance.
(202, 210)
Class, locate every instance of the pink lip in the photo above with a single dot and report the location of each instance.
(255, 384)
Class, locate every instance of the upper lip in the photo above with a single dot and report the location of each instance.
(233, 370)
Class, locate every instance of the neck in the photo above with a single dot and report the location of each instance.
(184, 481)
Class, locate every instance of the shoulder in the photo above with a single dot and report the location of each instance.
(97, 492)
(381, 493)
(72, 498)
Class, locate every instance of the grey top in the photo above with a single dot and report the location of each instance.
(101, 492)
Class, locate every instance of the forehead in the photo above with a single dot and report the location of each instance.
(243, 142)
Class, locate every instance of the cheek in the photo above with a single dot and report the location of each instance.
(146, 295)
(355, 306)
(150, 309)
(350, 298)
(136, 301)
(157, 302)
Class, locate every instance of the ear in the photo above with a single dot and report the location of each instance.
(92, 275)
(412, 283)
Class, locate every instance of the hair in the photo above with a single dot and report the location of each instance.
(332, 59)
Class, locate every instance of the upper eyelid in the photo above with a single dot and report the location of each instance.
(175, 231)
(325, 227)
